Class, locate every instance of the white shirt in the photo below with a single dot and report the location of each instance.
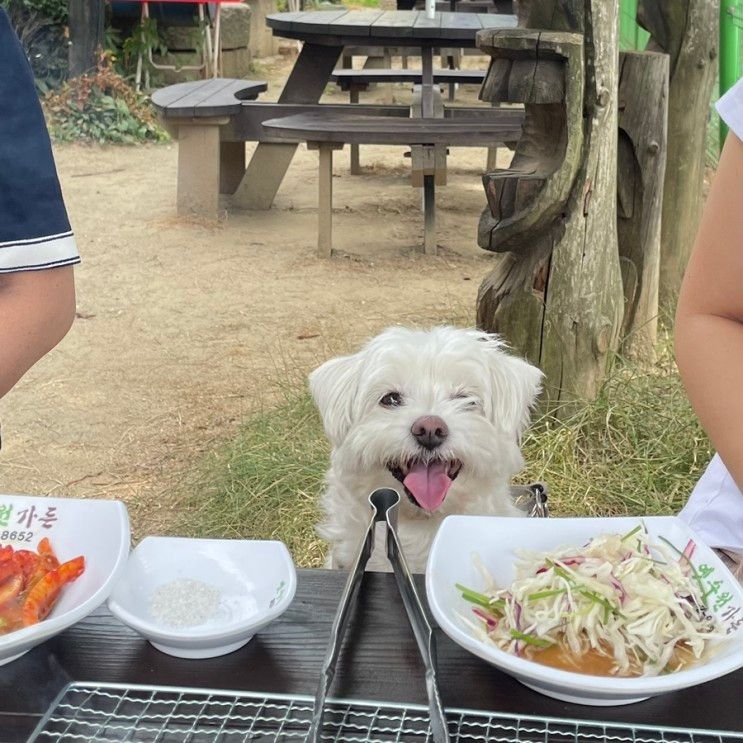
(730, 108)
(715, 508)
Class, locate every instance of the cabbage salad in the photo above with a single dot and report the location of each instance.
(637, 603)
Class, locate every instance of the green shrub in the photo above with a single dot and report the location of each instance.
(54, 11)
(101, 107)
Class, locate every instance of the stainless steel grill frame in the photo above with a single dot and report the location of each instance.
(153, 714)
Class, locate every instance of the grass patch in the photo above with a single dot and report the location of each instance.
(264, 484)
(638, 449)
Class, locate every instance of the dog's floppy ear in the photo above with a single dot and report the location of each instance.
(334, 388)
(516, 385)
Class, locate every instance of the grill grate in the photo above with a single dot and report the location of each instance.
(146, 714)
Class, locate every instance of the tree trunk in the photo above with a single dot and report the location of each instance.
(86, 34)
(687, 30)
(556, 291)
(643, 108)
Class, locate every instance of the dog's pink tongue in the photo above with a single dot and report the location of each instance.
(428, 483)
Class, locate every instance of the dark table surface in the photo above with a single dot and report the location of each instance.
(379, 662)
(386, 27)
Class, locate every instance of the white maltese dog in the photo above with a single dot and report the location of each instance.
(435, 413)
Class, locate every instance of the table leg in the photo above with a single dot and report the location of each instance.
(198, 170)
(355, 158)
(428, 161)
(325, 196)
(429, 215)
(381, 62)
(268, 166)
(231, 166)
(427, 82)
(451, 62)
(325, 203)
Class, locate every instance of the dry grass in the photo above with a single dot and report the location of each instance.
(637, 449)
(264, 484)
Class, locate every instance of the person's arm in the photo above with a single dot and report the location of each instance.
(37, 246)
(37, 309)
(709, 316)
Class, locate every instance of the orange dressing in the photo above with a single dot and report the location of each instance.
(591, 662)
(594, 663)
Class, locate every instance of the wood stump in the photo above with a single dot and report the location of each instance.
(643, 109)
(686, 30)
(555, 293)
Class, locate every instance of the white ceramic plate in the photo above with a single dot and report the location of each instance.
(495, 541)
(256, 581)
(96, 529)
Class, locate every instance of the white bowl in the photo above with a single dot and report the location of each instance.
(495, 540)
(96, 529)
(256, 582)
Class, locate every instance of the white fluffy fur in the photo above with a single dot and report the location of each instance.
(464, 376)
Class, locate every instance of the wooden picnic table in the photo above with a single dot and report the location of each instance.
(324, 35)
(466, 6)
(379, 661)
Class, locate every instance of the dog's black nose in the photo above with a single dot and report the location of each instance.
(429, 431)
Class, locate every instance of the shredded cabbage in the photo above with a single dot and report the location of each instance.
(628, 599)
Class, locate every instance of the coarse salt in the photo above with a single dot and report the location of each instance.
(185, 602)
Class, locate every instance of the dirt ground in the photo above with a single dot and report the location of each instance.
(185, 327)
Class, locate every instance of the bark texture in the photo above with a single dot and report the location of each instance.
(643, 108)
(555, 293)
(686, 30)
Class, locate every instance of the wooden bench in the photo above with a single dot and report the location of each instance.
(461, 6)
(381, 57)
(356, 81)
(326, 133)
(194, 113)
(380, 60)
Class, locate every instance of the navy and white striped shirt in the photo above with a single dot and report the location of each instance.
(34, 230)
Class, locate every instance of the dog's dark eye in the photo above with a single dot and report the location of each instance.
(470, 401)
(391, 400)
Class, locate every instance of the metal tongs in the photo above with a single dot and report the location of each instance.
(384, 503)
(532, 499)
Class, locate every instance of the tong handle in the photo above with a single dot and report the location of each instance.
(384, 503)
(422, 630)
(340, 624)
